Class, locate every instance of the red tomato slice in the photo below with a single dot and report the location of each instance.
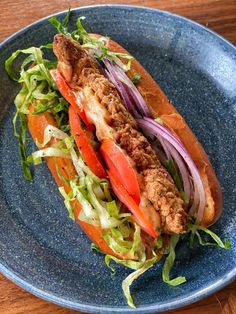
(120, 166)
(142, 220)
(89, 155)
(68, 94)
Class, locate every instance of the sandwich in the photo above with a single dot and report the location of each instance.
(130, 170)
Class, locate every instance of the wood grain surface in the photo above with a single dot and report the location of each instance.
(219, 16)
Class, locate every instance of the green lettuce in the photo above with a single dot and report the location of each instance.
(133, 276)
(98, 47)
(68, 198)
(194, 230)
(132, 249)
(169, 262)
(61, 27)
(37, 89)
(22, 136)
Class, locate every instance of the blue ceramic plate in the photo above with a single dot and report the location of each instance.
(42, 250)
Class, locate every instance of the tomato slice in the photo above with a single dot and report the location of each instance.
(89, 155)
(138, 215)
(68, 94)
(119, 165)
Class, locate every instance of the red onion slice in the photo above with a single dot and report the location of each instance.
(137, 97)
(165, 148)
(121, 81)
(172, 147)
(158, 130)
(124, 92)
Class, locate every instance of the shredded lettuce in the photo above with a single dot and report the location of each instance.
(137, 246)
(35, 55)
(91, 212)
(106, 191)
(112, 209)
(140, 266)
(48, 152)
(136, 258)
(98, 191)
(169, 263)
(98, 47)
(194, 230)
(106, 220)
(51, 132)
(67, 202)
(133, 276)
(60, 176)
(61, 27)
(132, 264)
(38, 89)
(132, 249)
(79, 163)
(22, 135)
(97, 207)
(94, 247)
(87, 212)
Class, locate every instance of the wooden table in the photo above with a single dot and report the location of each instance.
(218, 15)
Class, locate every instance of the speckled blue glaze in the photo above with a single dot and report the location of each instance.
(42, 250)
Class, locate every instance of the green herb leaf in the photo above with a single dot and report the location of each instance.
(184, 197)
(159, 120)
(136, 78)
(173, 170)
(175, 173)
(169, 262)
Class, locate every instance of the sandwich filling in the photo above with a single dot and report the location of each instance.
(105, 109)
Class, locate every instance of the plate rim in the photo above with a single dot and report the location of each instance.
(48, 296)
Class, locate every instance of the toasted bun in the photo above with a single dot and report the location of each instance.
(161, 107)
